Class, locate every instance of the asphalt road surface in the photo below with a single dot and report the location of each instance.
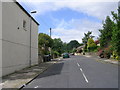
(78, 72)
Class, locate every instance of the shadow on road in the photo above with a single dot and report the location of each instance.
(26, 73)
(54, 70)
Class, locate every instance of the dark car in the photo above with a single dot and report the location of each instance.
(66, 55)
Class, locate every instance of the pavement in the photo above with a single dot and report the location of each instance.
(21, 78)
(77, 72)
(112, 61)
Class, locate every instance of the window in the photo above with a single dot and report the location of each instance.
(24, 24)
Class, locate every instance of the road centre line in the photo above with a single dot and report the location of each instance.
(78, 64)
(36, 87)
(84, 75)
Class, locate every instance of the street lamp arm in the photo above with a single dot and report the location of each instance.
(33, 12)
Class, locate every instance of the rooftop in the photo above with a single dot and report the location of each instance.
(26, 12)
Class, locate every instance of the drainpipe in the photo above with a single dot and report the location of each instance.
(30, 41)
(31, 34)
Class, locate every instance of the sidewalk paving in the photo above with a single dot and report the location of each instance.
(22, 77)
(112, 61)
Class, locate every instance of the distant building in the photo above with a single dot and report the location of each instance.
(18, 43)
(97, 42)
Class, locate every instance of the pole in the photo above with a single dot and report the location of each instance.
(50, 32)
(50, 47)
(31, 34)
(119, 10)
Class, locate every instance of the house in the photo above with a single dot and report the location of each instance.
(97, 42)
(18, 38)
(79, 50)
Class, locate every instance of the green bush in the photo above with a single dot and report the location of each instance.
(115, 55)
(95, 50)
(91, 46)
(55, 54)
(74, 50)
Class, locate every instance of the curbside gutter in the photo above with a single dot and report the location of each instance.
(20, 79)
(35, 77)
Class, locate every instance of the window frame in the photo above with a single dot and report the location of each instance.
(24, 25)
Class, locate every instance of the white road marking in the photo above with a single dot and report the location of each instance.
(81, 69)
(84, 75)
(36, 87)
(78, 64)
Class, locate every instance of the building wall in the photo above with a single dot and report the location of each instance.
(0, 39)
(16, 39)
(34, 43)
(0, 20)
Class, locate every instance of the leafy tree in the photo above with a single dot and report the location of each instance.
(85, 39)
(106, 32)
(65, 47)
(74, 50)
(81, 44)
(55, 54)
(91, 44)
(73, 44)
(87, 36)
(116, 32)
(110, 34)
(57, 45)
(44, 42)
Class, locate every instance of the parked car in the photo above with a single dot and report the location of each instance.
(66, 55)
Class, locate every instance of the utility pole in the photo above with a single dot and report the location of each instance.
(50, 47)
(119, 10)
(50, 32)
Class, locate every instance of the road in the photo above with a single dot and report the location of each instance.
(78, 72)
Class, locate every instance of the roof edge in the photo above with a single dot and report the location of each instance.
(26, 12)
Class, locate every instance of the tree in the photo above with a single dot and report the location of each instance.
(44, 42)
(106, 32)
(73, 44)
(85, 39)
(110, 34)
(65, 48)
(57, 45)
(116, 32)
(91, 45)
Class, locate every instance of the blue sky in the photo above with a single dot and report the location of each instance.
(69, 20)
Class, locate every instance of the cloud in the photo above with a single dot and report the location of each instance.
(77, 32)
(75, 28)
(99, 9)
(65, 0)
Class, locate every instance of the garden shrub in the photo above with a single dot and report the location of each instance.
(115, 56)
(91, 46)
(107, 53)
(101, 53)
(55, 54)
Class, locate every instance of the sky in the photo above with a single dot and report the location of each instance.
(69, 20)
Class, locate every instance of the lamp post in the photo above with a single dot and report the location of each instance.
(32, 12)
